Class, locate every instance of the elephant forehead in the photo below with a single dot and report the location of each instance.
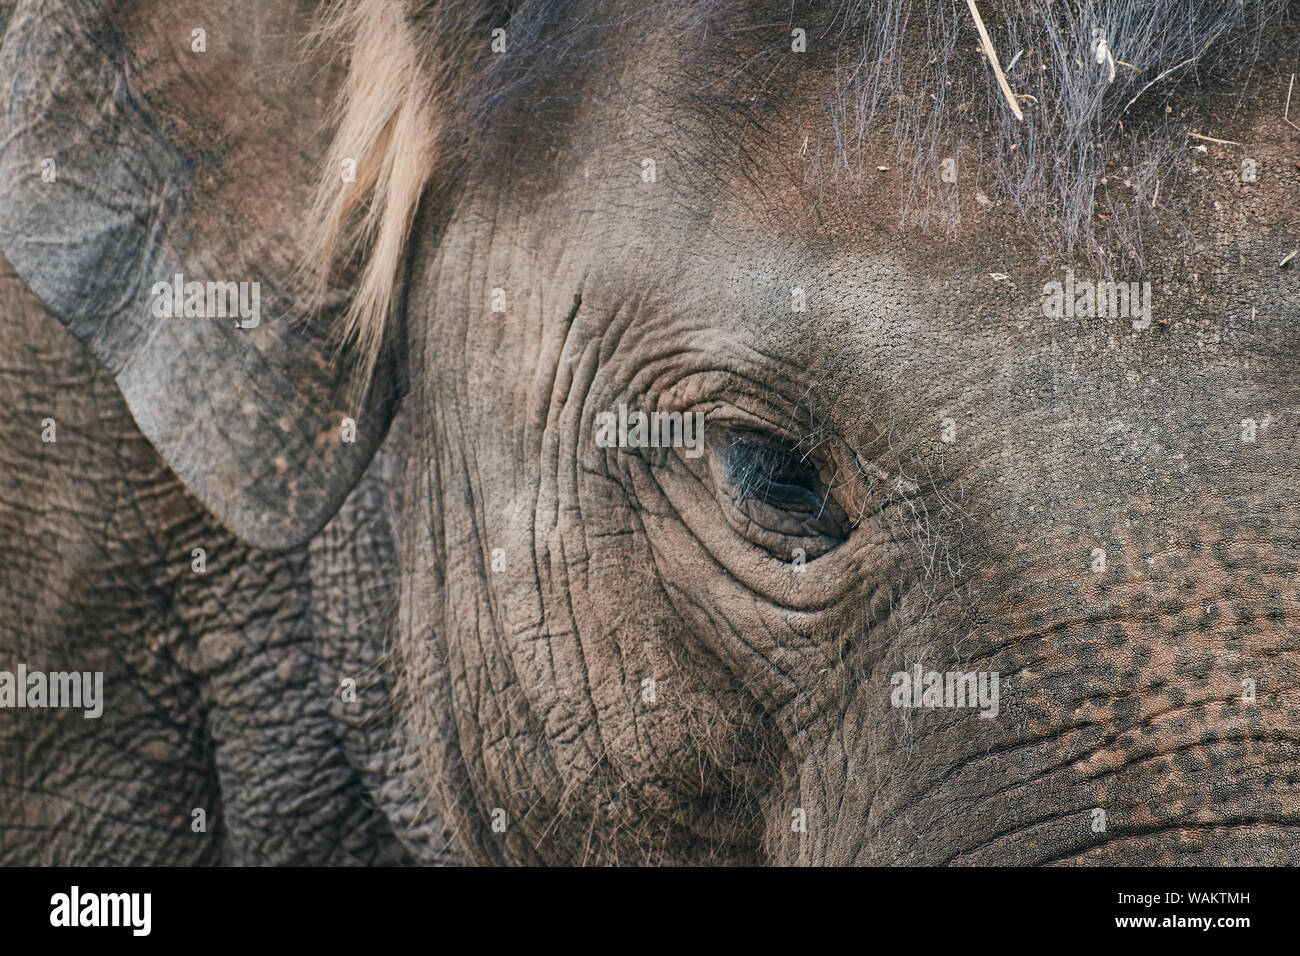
(900, 105)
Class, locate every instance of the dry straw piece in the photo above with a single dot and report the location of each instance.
(993, 61)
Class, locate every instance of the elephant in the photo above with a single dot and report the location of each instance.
(577, 432)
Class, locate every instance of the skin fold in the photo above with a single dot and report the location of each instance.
(477, 635)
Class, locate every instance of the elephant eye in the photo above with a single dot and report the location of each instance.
(768, 472)
(774, 493)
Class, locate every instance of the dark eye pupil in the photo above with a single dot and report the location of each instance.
(776, 494)
(769, 471)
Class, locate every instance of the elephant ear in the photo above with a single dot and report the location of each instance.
(145, 141)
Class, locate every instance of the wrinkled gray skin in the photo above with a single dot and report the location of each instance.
(523, 689)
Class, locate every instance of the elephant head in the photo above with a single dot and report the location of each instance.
(825, 435)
